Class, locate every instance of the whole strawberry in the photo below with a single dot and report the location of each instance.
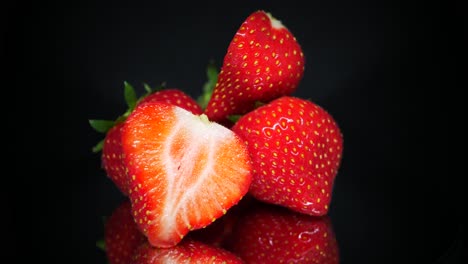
(184, 171)
(111, 157)
(121, 235)
(296, 148)
(188, 252)
(273, 234)
(263, 62)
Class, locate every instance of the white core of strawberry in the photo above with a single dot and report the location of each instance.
(275, 23)
(204, 137)
(204, 118)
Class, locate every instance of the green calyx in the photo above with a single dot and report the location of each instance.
(131, 99)
(101, 244)
(212, 77)
(235, 118)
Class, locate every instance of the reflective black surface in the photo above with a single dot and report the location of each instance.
(390, 72)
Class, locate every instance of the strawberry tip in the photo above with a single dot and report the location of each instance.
(275, 23)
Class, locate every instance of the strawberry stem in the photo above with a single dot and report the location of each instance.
(275, 23)
(204, 119)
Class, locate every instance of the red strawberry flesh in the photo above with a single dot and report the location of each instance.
(184, 171)
(112, 159)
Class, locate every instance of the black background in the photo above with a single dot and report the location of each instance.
(391, 74)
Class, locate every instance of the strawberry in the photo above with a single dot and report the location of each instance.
(274, 234)
(176, 97)
(188, 251)
(184, 171)
(111, 157)
(296, 149)
(263, 62)
(121, 235)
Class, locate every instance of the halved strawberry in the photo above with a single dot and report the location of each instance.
(296, 149)
(188, 252)
(121, 235)
(263, 62)
(111, 157)
(273, 234)
(184, 171)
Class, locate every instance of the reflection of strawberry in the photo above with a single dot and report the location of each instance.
(273, 234)
(219, 232)
(111, 157)
(296, 149)
(263, 62)
(188, 251)
(121, 235)
(184, 171)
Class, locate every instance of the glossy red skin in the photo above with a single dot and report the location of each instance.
(121, 235)
(296, 148)
(262, 63)
(112, 160)
(176, 97)
(274, 234)
(188, 251)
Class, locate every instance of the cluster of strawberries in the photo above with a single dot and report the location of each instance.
(243, 175)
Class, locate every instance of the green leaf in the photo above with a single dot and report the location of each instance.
(147, 88)
(258, 104)
(212, 75)
(150, 90)
(162, 86)
(234, 118)
(101, 244)
(130, 96)
(101, 126)
(98, 146)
